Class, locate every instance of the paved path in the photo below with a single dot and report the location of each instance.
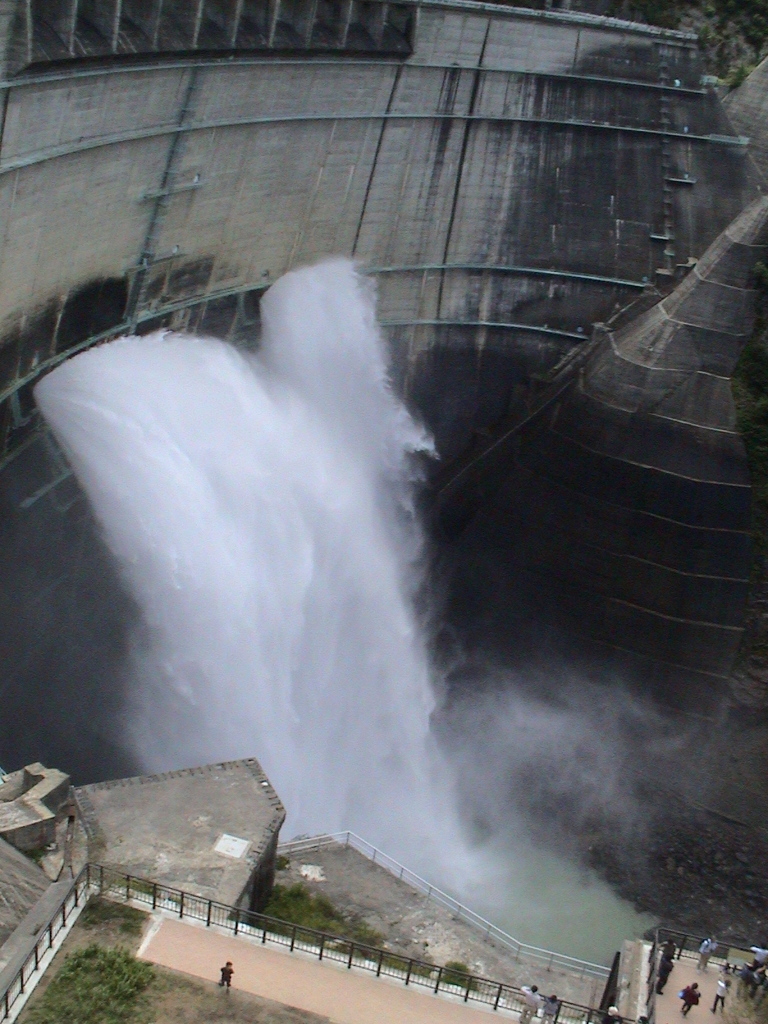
(343, 996)
(669, 1006)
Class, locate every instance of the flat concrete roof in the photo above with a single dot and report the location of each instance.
(203, 830)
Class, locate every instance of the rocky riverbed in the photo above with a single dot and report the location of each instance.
(697, 871)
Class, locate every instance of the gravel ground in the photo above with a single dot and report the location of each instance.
(697, 871)
(416, 927)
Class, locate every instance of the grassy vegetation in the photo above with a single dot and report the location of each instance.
(96, 986)
(727, 29)
(98, 912)
(455, 972)
(282, 863)
(297, 905)
(750, 392)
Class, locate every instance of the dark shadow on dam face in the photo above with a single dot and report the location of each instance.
(65, 623)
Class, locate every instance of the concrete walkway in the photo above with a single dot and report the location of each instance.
(669, 1006)
(342, 996)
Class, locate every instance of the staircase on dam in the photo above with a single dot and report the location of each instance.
(508, 177)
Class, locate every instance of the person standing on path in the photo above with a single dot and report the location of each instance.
(706, 949)
(669, 949)
(226, 975)
(723, 984)
(550, 1008)
(612, 1016)
(665, 969)
(532, 1001)
(690, 997)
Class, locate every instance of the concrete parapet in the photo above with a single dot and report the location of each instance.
(211, 831)
(28, 810)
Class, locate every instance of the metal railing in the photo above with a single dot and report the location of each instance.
(687, 946)
(380, 962)
(36, 960)
(98, 880)
(490, 931)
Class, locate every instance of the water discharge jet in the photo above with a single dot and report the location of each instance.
(261, 510)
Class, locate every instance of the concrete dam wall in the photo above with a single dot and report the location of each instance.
(509, 177)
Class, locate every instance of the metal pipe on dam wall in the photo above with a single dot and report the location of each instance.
(510, 177)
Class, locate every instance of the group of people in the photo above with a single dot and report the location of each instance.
(752, 976)
(533, 1001)
(752, 980)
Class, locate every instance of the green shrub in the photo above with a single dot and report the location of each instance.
(739, 74)
(297, 905)
(282, 863)
(456, 972)
(732, 18)
(101, 911)
(95, 986)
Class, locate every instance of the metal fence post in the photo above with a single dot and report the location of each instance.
(208, 916)
(50, 934)
(381, 958)
(237, 921)
(322, 947)
(498, 997)
(408, 975)
(469, 988)
(439, 979)
(127, 888)
(351, 954)
(154, 895)
(293, 937)
(181, 905)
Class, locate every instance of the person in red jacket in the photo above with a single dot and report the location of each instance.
(690, 997)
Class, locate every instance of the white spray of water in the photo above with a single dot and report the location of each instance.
(260, 508)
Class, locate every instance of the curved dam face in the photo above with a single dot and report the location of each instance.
(508, 177)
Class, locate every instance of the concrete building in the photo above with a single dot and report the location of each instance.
(211, 831)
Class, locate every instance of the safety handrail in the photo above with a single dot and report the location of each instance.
(432, 892)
